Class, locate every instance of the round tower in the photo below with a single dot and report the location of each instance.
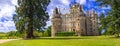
(56, 22)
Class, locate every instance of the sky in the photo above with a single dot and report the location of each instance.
(7, 9)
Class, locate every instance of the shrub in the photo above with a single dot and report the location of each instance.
(2, 36)
(36, 34)
(39, 33)
(13, 34)
(47, 33)
(65, 33)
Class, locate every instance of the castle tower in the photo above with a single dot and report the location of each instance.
(94, 19)
(56, 22)
(81, 23)
(96, 24)
(75, 11)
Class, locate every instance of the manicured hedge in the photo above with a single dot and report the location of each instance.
(65, 33)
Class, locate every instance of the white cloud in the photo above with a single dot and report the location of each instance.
(61, 4)
(7, 26)
(65, 2)
(82, 2)
(7, 10)
(106, 7)
(14, 2)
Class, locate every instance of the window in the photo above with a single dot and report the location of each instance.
(73, 30)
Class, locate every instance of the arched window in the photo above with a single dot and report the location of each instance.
(73, 30)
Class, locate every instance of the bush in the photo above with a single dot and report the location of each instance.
(65, 33)
(2, 33)
(13, 34)
(2, 36)
(36, 34)
(39, 33)
(47, 33)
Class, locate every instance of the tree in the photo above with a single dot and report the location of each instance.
(2, 33)
(48, 31)
(113, 18)
(102, 23)
(31, 15)
(13, 34)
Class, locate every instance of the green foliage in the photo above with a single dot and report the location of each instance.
(41, 34)
(65, 34)
(36, 34)
(13, 34)
(48, 31)
(46, 34)
(31, 15)
(3, 36)
(111, 22)
(2, 33)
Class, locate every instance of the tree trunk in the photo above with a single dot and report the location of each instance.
(30, 32)
(30, 28)
(30, 22)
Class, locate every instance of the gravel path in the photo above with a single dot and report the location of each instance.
(7, 40)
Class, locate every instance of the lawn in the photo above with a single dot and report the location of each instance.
(67, 41)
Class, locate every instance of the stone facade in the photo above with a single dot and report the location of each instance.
(77, 21)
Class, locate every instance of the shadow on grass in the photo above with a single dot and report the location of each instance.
(62, 38)
(68, 38)
(56, 38)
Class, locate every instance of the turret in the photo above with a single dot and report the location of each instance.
(56, 22)
(94, 19)
(93, 13)
(56, 13)
(81, 22)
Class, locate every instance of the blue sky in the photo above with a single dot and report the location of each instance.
(7, 9)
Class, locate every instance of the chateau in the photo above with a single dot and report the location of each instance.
(85, 24)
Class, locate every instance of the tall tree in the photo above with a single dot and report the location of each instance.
(113, 17)
(31, 15)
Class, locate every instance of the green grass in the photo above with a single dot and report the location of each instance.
(67, 41)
